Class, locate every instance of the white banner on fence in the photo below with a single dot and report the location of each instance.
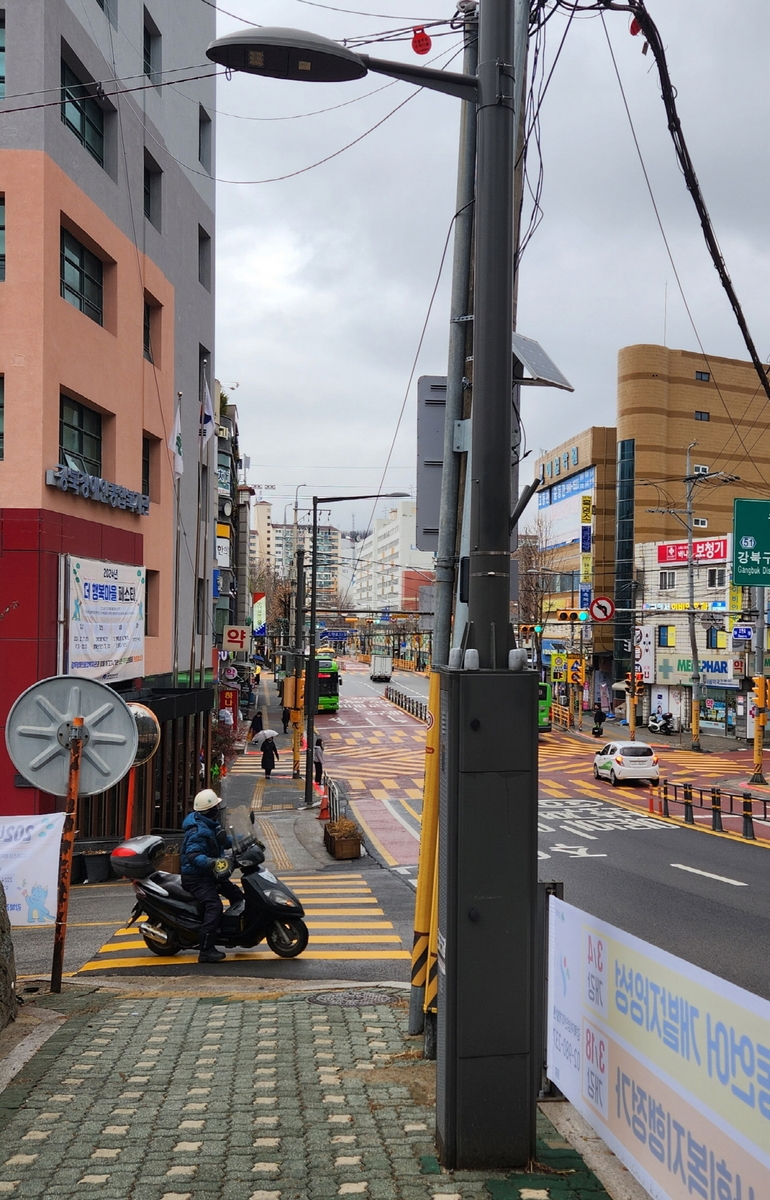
(106, 620)
(669, 1063)
(29, 867)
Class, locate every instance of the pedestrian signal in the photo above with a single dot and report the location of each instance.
(572, 615)
(630, 688)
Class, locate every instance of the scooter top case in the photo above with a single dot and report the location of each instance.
(138, 857)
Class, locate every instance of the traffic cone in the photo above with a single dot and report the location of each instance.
(324, 814)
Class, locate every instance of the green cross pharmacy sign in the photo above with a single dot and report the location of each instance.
(751, 543)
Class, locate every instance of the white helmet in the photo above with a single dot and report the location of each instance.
(206, 800)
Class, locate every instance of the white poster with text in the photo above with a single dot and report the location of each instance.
(29, 867)
(106, 620)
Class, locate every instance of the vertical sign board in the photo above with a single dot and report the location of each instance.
(644, 652)
(751, 543)
(29, 867)
(105, 620)
(668, 1063)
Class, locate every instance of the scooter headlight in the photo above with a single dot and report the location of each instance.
(278, 897)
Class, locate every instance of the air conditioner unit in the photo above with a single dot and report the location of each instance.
(699, 469)
(700, 523)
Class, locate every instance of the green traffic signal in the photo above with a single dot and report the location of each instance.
(582, 615)
(538, 629)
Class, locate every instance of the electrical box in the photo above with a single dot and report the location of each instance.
(488, 1071)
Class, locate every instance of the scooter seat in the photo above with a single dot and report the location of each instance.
(173, 885)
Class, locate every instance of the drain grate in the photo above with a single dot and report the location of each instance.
(354, 999)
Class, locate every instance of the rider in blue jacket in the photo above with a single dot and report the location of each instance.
(203, 843)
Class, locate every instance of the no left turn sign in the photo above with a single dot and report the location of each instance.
(602, 608)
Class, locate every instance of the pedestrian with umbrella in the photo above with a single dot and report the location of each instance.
(269, 756)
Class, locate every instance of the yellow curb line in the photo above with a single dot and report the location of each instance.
(389, 859)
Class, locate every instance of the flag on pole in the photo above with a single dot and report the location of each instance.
(175, 445)
(207, 418)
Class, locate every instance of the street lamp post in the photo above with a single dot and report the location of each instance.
(311, 675)
(485, 1113)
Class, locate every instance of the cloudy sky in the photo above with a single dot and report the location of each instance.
(325, 277)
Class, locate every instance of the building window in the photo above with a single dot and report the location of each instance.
(667, 581)
(204, 258)
(716, 577)
(2, 236)
(667, 635)
(82, 278)
(151, 603)
(146, 451)
(80, 437)
(146, 332)
(204, 139)
(703, 376)
(2, 417)
(700, 522)
(151, 47)
(2, 55)
(81, 113)
(702, 416)
(716, 639)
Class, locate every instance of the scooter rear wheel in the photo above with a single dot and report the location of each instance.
(288, 938)
(170, 948)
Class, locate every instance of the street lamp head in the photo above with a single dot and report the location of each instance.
(286, 54)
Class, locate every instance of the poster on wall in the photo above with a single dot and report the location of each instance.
(105, 620)
(667, 1062)
(644, 652)
(29, 867)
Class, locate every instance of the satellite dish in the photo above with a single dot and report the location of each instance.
(37, 734)
(148, 730)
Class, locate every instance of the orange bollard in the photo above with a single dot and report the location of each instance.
(324, 814)
(652, 801)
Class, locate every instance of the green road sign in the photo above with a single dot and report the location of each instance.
(751, 543)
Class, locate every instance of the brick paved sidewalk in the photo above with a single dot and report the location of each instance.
(270, 1097)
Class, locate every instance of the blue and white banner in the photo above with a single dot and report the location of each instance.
(29, 867)
(105, 620)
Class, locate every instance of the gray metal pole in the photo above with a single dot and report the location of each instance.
(695, 676)
(311, 674)
(299, 646)
(461, 274)
(490, 559)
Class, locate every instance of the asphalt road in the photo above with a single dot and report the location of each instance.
(358, 683)
(701, 897)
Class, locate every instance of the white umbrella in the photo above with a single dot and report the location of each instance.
(263, 735)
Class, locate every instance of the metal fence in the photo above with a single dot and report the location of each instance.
(415, 708)
(338, 805)
(715, 800)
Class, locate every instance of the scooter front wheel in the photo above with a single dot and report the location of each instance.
(287, 938)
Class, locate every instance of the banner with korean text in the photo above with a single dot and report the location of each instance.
(29, 867)
(105, 606)
(668, 1063)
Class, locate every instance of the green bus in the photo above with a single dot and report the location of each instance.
(544, 698)
(328, 682)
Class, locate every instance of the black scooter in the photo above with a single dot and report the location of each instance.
(269, 910)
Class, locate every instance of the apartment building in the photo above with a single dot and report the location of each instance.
(106, 336)
(288, 538)
(389, 568)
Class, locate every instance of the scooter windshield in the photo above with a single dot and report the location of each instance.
(239, 824)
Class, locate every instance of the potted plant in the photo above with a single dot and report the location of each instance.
(343, 838)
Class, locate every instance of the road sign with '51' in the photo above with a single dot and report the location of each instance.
(576, 672)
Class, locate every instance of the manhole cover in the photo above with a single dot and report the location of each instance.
(354, 999)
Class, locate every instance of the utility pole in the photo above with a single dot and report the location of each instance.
(758, 775)
(695, 716)
(299, 639)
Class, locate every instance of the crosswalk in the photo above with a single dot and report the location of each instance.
(343, 915)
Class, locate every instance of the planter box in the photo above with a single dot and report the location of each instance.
(97, 868)
(341, 845)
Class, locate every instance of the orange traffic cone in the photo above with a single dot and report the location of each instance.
(324, 814)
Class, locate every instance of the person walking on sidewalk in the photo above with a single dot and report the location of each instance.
(318, 760)
(286, 717)
(599, 719)
(255, 726)
(202, 845)
(269, 757)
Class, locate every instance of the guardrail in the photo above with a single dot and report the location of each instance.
(415, 708)
(684, 793)
(338, 805)
(561, 715)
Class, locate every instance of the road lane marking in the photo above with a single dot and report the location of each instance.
(710, 875)
(402, 820)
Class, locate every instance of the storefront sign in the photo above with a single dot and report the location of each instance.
(223, 552)
(105, 607)
(644, 652)
(93, 487)
(716, 670)
(667, 1062)
(703, 550)
(29, 867)
(235, 637)
(586, 568)
(223, 481)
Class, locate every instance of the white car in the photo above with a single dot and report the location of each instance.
(626, 760)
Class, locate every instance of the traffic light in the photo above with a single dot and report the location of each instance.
(526, 631)
(630, 686)
(760, 690)
(573, 615)
(538, 628)
(299, 700)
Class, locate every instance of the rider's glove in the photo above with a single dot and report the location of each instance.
(222, 869)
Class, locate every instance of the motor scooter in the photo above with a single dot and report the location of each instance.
(269, 910)
(661, 723)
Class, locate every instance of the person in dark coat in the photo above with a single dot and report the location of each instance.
(286, 717)
(269, 756)
(203, 843)
(599, 719)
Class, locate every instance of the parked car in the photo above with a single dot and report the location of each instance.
(617, 761)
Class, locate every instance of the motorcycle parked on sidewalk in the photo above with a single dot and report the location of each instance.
(269, 911)
(661, 723)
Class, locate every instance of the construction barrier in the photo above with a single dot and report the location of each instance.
(415, 708)
(561, 716)
(718, 801)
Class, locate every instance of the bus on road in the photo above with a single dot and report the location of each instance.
(544, 699)
(328, 682)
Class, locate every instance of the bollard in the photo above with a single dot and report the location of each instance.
(651, 806)
(716, 810)
(689, 819)
(665, 798)
(748, 818)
